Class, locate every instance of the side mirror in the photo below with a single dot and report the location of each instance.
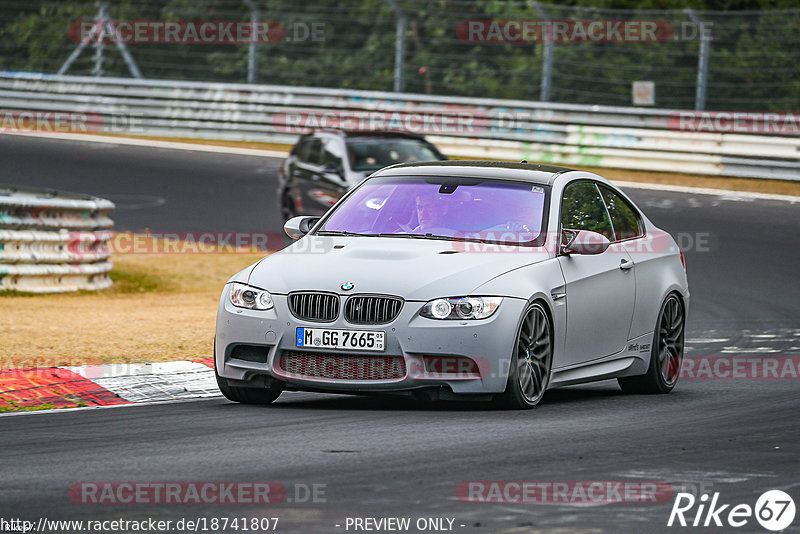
(297, 227)
(333, 169)
(583, 242)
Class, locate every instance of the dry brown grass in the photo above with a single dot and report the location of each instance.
(212, 142)
(162, 307)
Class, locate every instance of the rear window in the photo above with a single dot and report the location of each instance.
(373, 153)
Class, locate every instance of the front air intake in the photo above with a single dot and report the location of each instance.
(372, 309)
(314, 306)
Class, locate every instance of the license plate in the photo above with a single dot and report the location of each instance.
(324, 338)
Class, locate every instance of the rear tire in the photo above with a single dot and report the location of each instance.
(666, 352)
(531, 361)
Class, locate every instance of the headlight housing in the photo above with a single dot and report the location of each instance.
(461, 308)
(251, 298)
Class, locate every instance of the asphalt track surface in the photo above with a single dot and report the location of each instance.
(395, 458)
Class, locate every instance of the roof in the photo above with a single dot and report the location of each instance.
(368, 133)
(529, 172)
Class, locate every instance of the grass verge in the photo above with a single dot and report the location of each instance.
(161, 307)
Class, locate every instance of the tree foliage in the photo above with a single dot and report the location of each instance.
(753, 60)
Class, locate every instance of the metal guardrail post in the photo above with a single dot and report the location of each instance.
(399, 47)
(99, 45)
(702, 61)
(252, 52)
(547, 59)
(97, 32)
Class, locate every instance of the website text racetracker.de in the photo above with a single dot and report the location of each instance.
(149, 525)
(564, 492)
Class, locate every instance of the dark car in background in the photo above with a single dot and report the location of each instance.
(324, 165)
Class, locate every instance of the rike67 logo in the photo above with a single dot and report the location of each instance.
(774, 510)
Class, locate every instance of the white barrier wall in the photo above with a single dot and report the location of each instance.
(594, 136)
(52, 241)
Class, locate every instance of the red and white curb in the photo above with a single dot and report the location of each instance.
(107, 384)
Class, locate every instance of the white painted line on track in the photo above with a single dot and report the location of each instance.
(727, 194)
(153, 143)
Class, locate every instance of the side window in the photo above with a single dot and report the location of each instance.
(296, 149)
(302, 148)
(582, 208)
(627, 223)
(333, 153)
(309, 151)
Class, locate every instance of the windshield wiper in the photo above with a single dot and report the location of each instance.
(421, 236)
(408, 236)
(438, 237)
(385, 234)
(342, 233)
(434, 237)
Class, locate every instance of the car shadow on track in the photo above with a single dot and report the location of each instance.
(323, 401)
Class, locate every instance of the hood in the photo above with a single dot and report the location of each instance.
(414, 269)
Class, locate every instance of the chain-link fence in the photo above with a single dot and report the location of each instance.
(683, 59)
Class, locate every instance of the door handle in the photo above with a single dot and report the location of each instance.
(625, 265)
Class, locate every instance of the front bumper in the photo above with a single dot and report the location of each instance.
(488, 342)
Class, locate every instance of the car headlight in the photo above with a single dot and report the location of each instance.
(458, 308)
(244, 296)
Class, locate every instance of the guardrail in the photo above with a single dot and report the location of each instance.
(53, 242)
(596, 136)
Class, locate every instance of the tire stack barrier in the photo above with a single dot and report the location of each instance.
(53, 242)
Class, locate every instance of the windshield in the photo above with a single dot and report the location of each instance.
(444, 208)
(371, 154)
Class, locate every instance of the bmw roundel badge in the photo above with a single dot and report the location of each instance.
(347, 286)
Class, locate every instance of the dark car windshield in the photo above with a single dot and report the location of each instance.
(373, 153)
(443, 208)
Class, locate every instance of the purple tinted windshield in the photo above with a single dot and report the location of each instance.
(490, 210)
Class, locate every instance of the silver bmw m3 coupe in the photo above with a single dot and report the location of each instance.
(456, 280)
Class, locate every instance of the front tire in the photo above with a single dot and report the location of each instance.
(666, 352)
(531, 361)
(248, 395)
(288, 208)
